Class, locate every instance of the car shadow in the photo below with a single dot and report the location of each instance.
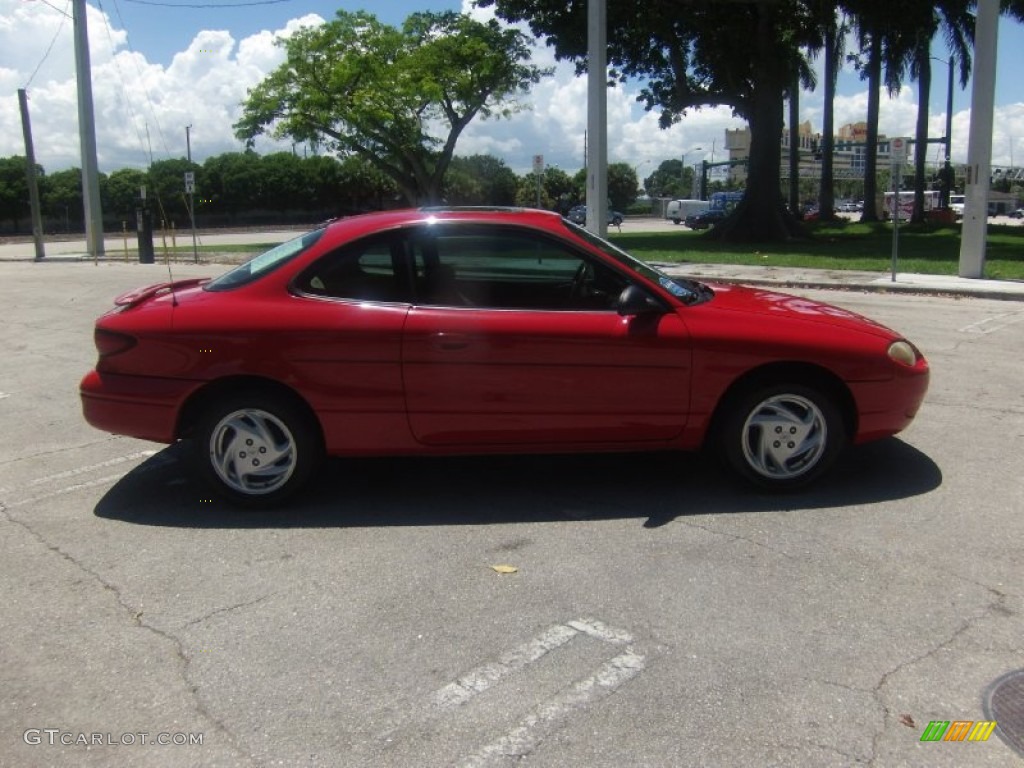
(479, 490)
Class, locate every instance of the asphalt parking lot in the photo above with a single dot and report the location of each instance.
(657, 615)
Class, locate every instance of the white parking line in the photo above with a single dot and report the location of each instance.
(82, 470)
(483, 677)
(994, 323)
(551, 714)
(40, 483)
(68, 489)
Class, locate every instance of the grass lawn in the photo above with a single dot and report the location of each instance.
(846, 245)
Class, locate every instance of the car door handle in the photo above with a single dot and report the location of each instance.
(449, 341)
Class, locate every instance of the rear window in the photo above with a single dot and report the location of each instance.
(264, 263)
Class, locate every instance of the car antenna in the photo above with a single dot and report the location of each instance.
(174, 299)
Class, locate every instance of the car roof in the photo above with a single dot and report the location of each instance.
(375, 222)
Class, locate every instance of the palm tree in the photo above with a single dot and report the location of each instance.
(884, 41)
(954, 19)
(833, 38)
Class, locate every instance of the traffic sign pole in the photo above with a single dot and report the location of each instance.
(897, 158)
(190, 189)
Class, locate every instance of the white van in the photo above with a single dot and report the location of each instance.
(956, 203)
(678, 210)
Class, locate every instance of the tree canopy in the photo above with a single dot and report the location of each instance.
(741, 54)
(398, 98)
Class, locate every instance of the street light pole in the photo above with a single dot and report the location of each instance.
(682, 171)
(947, 177)
(191, 193)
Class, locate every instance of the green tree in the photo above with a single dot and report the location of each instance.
(365, 187)
(670, 179)
(884, 44)
(322, 180)
(232, 182)
(61, 196)
(398, 98)
(832, 27)
(622, 185)
(480, 180)
(559, 191)
(120, 193)
(282, 183)
(14, 203)
(954, 20)
(165, 190)
(742, 54)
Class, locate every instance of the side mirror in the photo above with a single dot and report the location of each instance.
(634, 300)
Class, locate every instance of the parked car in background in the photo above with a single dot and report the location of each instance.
(707, 219)
(1017, 214)
(956, 204)
(578, 215)
(678, 210)
(446, 331)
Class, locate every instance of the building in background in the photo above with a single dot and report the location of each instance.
(847, 157)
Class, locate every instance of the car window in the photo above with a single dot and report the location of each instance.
(264, 263)
(504, 268)
(362, 271)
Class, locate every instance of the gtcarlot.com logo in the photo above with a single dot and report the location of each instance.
(958, 730)
(57, 736)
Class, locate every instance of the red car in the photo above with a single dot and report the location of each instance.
(486, 331)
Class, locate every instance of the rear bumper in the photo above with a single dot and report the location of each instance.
(135, 406)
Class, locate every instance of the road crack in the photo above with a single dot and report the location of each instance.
(136, 617)
(997, 605)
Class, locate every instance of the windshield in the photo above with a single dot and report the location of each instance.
(264, 263)
(687, 291)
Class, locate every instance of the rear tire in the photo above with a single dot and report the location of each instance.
(256, 449)
(782, 436)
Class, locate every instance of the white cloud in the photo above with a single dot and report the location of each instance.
(138, 105)
(204, 85)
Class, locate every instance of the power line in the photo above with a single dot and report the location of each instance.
(60, 27)
(142, 80)
(58, 10)
(209, 5)
(120, 75)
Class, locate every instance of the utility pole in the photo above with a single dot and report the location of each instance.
(33, 186)
(87, 134)
(597, 117)
(979, 147)
(190, 187)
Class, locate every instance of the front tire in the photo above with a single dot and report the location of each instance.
(782, 436)
(256, 449)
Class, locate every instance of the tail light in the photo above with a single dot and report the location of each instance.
(111, 343)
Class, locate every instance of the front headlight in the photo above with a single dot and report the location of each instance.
(903, 352)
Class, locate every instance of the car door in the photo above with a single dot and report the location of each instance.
(347, 354)
(513, 338)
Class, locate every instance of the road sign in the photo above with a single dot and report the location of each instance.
(190, 182)
(898, 150)
(538, 163)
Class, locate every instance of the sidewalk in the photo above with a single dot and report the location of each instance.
(72, 251)
(906, 282)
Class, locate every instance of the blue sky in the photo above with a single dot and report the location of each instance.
(157, 69)
(163, 31)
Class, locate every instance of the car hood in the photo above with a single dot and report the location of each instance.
(786, 307)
